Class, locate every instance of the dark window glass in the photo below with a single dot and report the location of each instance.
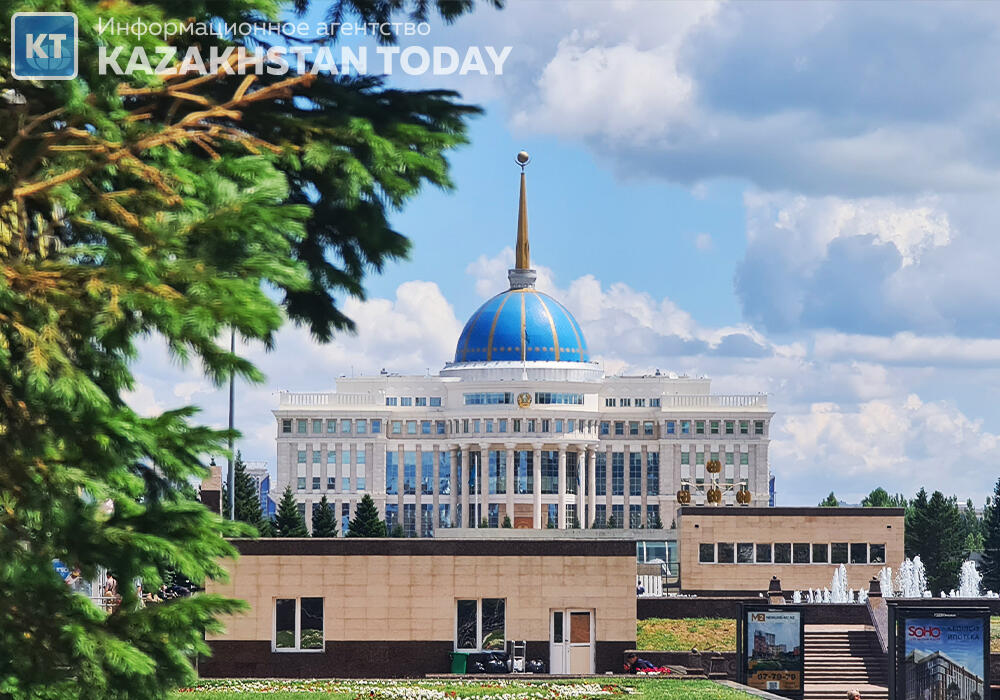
(763, 554)
(726, 552)
(838, 553)
(493, 624)
(557, 627)
(744, 553)
(820, 553)
(284, 623)
(859, 553)
(800, 553)
(876, 553)
(311, 623)
(706, 553)
(466, 632)
(782, 553)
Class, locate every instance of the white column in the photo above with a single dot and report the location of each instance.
(561, 504)
(581, 472)
(643, 457)
(465, 486)
(482, 479)
(592, 483)
(436, 487)
(453, 497)
(510, 482)
(536, 469)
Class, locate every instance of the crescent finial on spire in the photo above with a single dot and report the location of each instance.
(522, 258)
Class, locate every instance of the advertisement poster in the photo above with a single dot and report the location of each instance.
(773, 648)
(943, 658)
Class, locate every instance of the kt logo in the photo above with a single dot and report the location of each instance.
(43, 46)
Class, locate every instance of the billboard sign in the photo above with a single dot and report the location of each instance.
(771, 648)
(941, 654)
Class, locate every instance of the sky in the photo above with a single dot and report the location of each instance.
(790, 198)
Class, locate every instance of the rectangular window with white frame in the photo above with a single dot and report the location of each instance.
(298, 624)
(480, 624)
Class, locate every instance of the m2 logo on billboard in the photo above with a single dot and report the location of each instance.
(44, 45)
(758, 617)
(923, 632)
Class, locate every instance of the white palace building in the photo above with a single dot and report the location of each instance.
(522, 425)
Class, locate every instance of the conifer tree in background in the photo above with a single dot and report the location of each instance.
(288, 521)
(174, 207)
(991, 544)
(915, 527)
(324, 521)
(972, 528)
(247, 497)
(938, 537)
(830, 501)
(367, 522)
(880, 498)
(506, 522)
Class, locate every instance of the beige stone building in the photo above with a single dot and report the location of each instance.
(740, 549)
(391, 607)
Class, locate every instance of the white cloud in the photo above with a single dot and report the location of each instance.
(703, 242)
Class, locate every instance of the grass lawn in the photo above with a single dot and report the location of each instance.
(707, 634)
(513, 689)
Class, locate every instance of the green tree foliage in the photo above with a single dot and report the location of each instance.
(247, 497)
(880, 498)
(936, 533)
(324, 521)
(366, 522)
(506, 522)
(830, 501)
(288, 521)
(657, 522)
(174, 207)
(972, 528)
(991, 544)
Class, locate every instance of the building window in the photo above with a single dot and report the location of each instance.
(475, 426)
(489, 425)
(391, 472)
(800, 553)
(744, 427)
(427, 473)
(706, 553)
(653, 473)
(838, 553)
(405, 400)
(410, 519)
(345, 483)
(617, 473)
(699, 457)
(547, 397)
(559, 425)
(625, 403)
(502, 426)
(391, 401)
(531, 425)
(524, 479)
(609, 403)
(744, 553)
(617, 516)
(301, 457)
(444, 515)
(654, 403)
(821, 553)
(572, 473)
(758, 427)
(601, 514)
(763, 554)
(670, 427)
(345, 427)
(551, 515)
(517, 425)
(633, 427)
(397, 427)
(640, 403)
(635, 473)
(726, 552)
(619, 427)
(444, 474)
(572, 425)
(605, 427)
(421, 401)
(480, 624)
(730, 427)
(876, 554)
(713, 427)
(376, 426)
(316, 483)
(685, 427)
(439, 427)
(647, 428)
(601, 474)
(316, 456)
(411, 427)
(859, 553)
(286, 425)
(550, 471)
(426, 519)
(488, 398)
(300, 483)
(653, 516)
(634, 515)
(317, 425)
(729, 458)
(782, 553)
(298, 624)
(391, 515)
(685, 458)
(331, 483)
(425, 427)
(301, 425)
(545, 425)
(497, 472)
(699, 427)
(744, 458)
(345, 517)
(361, 426)
(409, 472)
(436, 401)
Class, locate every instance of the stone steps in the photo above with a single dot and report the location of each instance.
(840, 658)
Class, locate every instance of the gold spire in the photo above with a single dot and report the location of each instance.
(522, 257)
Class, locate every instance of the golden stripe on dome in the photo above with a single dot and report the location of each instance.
(471, 326)
(572, 324)
(493, 329)
(552, 323)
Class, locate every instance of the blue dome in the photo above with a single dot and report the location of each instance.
(497, 331)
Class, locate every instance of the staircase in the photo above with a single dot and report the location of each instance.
(841, 657)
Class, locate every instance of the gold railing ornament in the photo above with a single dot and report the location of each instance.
(743, 496)
(713, 466)
(683, 497)
(714, 495)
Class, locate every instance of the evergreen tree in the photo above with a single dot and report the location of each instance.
(991, 545)
(880, 498)
(181, 207)
(972, 528)
(324, 521)
(938, 538)
(396, 530)
(266, 528)
(915, 525)
(288, 521)
(506, 522)
(247, 496)
(657, 522)
(367, 522)
(830, 501)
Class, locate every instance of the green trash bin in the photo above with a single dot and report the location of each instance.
(459, 661)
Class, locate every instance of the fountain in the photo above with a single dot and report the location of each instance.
(969, 581)
(838, 585)
(885, 582)
(796, 597)
(911, 581)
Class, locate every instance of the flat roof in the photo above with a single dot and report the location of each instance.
(793, 511)
(436, 546)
